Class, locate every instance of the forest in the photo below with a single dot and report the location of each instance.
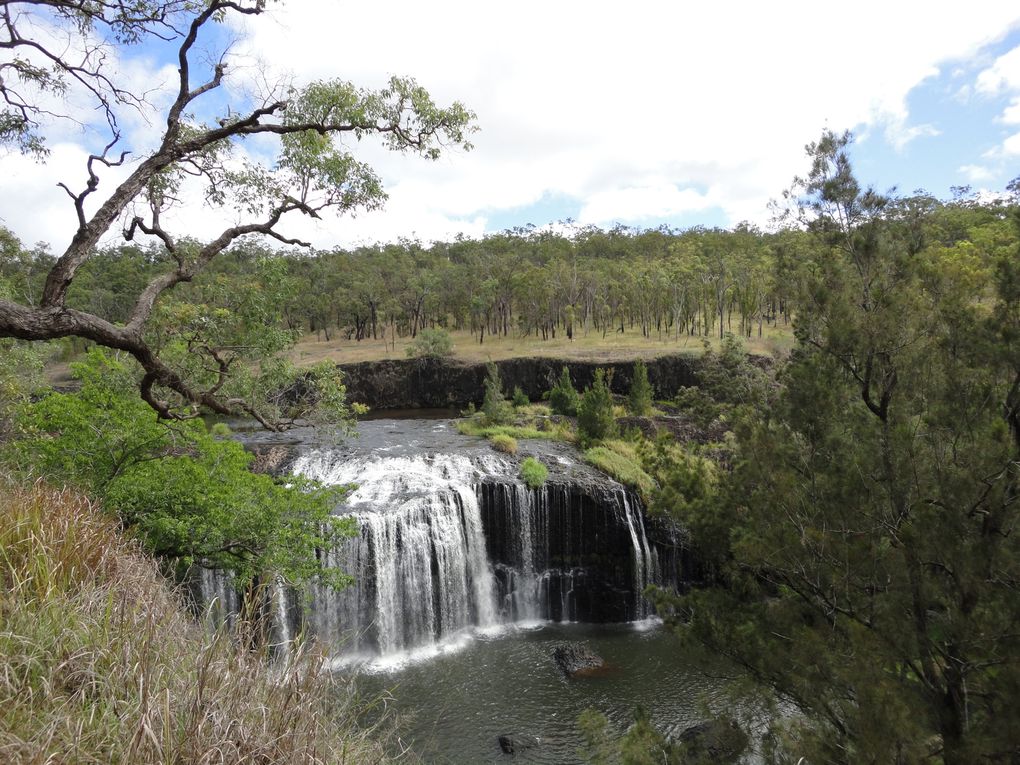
(834, 524)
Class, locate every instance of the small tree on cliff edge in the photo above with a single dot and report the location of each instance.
(495, 407)
(563, 396)
(639, 400)
(73, 48)
(595, 421)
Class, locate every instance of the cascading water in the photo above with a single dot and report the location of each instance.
(419, 564)
(453, 541)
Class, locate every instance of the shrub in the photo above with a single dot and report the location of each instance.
(495, 407)
(563, 398)
(430, 344)
(186, 495)
(533, 473)
(639, 400)
(595, 420)
(503, 443)
(520, 398)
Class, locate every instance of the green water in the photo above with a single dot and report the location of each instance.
(451, 707)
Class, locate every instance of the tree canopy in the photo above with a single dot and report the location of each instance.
(314, 171)
(863, 551)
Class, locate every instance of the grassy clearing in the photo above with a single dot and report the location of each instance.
(100, 662)
(619, 460)
(592, 346)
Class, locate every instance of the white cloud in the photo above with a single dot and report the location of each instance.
(1011, 116)
(1002, 75)
(977, 173)
(662, 200)
(631, 112)
(1011, 146)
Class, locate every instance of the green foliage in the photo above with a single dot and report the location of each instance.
(858, 549)
(639, 399)
(503, 443)
(621, 461)
(496, 410)
(430, 344)
(520, 398)
(643, 744)
(533, 473)
(563, 397)
(476, 426)
(187, 495)
(595, 421)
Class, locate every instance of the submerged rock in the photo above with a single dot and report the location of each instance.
(573, 658)
(717, 740)
(512, 743)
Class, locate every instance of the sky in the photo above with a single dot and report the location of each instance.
(651, 113)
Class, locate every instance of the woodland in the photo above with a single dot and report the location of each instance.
(854, 519)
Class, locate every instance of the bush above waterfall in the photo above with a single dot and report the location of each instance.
(188, 496)
(534, 473)
(503, 443)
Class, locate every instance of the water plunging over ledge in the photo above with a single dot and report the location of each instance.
(452, 543)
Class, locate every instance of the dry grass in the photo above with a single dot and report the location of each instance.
(100, 662)
(591, 347)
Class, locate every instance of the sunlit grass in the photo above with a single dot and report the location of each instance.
(619, 460)
(101, 663)
(592, 346)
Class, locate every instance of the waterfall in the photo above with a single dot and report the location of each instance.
(419, 564)
(447, 544)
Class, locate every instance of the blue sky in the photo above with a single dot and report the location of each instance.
(679, 114)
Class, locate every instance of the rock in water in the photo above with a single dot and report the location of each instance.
(719, 740)
(576, 657)
(512, 743)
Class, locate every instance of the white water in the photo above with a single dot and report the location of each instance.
(423, 579)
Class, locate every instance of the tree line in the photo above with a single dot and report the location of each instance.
(664, 283)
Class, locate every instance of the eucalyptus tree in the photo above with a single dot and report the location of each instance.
(311, 174)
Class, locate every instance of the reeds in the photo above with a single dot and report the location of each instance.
(100, 661)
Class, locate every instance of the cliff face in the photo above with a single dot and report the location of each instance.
(442, 383)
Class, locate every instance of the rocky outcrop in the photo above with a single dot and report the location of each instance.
(446, 383)
(514, 743)
(576, 658)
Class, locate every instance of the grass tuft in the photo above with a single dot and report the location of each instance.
(100, 662)
(620, 460)
(503, 443)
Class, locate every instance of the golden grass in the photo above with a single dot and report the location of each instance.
(101, 663)
(503, 443)
(615, 346)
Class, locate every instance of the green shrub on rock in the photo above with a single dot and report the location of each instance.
(533, 473)
(504, 443)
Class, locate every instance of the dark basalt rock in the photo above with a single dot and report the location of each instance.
(447, 383)
(513, 743)
(574, 658)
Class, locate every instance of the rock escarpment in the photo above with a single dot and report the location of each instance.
(447, 383)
